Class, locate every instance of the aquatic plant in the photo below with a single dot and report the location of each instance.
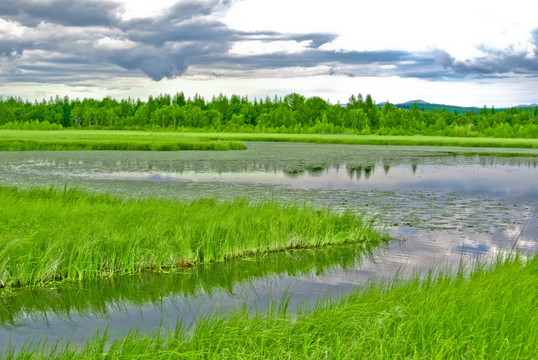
(101, 294)
(141, 140)
(27, 145)
(413, 140)
(50, 235)
(12, 140)
(489, 313)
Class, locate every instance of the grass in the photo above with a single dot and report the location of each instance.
(100, 295)
(490, 314)
(140, 140)
(51, 235)
(23, 140)
(381, 140)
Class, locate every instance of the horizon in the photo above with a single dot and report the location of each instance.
(418, 101)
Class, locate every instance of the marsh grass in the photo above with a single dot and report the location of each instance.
(51, 235)
(490, 313)
(28, 145)
(14, 140)
(416, 140)
(99, 295)
(145, 140)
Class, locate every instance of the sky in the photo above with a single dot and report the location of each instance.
(468, 53)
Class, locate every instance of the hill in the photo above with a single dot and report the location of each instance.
(424, 105)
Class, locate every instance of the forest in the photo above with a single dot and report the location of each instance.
(293, 113)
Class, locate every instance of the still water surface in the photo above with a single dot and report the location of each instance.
(440, 207)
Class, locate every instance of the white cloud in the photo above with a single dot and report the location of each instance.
(144, 9)
(107, 43)
(532, 51)
(459, 27)
(10, 29)
(262, 47)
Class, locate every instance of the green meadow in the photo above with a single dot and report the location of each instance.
(488, 312)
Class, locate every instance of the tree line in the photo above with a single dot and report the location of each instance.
(293, 113)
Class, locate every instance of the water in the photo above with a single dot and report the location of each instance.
(440, 207)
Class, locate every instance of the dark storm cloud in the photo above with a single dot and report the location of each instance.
(307, 58)
(94, 75)
(317, 40)
(202, 31)
(89, 36)
(155, 64)
(494, 62)
(63, 12)
(10, 48)
(165, 45)
(191, 9)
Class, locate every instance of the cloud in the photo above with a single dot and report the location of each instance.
(156, 64)
(63, 12)
(191, 9)
(317, 40)
(93, 32)
(494, 62)
(108, 43)
(89, 38)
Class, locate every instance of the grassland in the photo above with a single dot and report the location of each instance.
(140, 140)
(490, 314)
(48, 235)
(23, 140)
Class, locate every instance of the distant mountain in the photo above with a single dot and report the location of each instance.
(424, 105)
(418, 101)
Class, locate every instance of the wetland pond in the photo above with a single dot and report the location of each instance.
(442, 206)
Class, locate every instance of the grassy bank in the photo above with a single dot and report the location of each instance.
(50, 235)
(382, 140)
(23, 140)
(491, 314)
(140, 140)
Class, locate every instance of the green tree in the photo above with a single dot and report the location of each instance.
(6, 115)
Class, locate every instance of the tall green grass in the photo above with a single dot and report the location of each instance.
(25, 140)
(490, 314)
(48, 235)
(141, 140)
(99, 295)
(480, 142)
(30, 145)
